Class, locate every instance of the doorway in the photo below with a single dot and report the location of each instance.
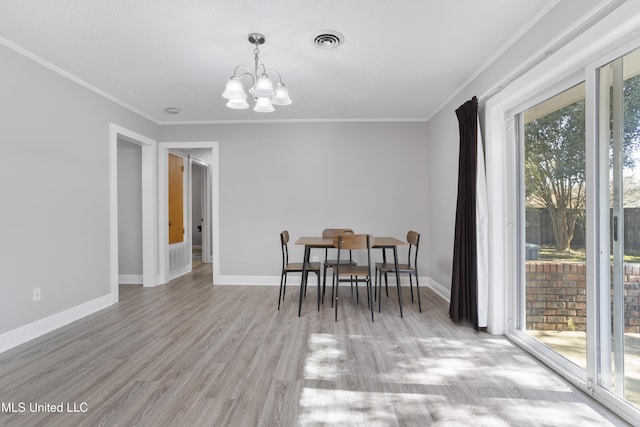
(200, 220)
(129, 213)
(148, 208)
(207, 152)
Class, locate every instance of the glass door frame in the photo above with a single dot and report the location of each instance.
(599, 311)
(597, 235)
(516, 329)
(612, 37)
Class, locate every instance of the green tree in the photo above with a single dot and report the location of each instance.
(555, 167)
(555, 160)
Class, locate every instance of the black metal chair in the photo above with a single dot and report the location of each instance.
(331, 263)
(293, 267)
(351, 273)
(411, 269)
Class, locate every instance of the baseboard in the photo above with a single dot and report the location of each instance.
(295, 280)
(26, 333)
(443, 292)
(258, 280)
(130, 279)
(175, 274)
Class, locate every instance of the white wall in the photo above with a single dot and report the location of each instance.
(54, 137)
(129, 211)
(305, 177)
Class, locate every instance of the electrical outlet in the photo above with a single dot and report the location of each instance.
(36, 294)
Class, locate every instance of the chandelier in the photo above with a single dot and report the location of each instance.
(263, 91)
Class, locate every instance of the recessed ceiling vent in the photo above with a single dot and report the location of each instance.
(328, 39)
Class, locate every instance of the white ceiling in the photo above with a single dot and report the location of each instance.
(401, 59)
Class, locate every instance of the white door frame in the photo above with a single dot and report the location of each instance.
(205, 198)
(163, 197)
(149, 203)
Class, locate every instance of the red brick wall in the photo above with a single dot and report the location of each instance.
(556, 296)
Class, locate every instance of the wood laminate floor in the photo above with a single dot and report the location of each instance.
(192, 354)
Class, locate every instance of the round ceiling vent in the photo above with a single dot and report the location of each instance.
(328, 39)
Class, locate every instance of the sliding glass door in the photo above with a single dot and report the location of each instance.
(579, 309)
(552, 302)
(618, 314)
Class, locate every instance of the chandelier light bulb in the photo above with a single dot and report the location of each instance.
(282, 95)
(263, 105)
(264, 87)
(234, 89)
(238, 104)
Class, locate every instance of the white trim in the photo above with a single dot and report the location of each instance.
(294, 279)
(36, 329)
(205, 197)
(130, 279)
(22, 51)
(442, 291)
(149, 211)
(353, 120)
(513, 40)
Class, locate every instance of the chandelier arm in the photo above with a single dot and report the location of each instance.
(239, 67)
(274, 71)
(253, 79)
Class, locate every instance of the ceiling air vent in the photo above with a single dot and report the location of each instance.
(328, 39)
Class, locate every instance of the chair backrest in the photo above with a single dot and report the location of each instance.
(413, 238)
(332, 232)
(284, 239)
(353, 241)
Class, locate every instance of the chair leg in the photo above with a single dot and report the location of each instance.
(411, 287)
(386, 282)
(357, 294)
(418, 290)
(280, 295)
(369, 294)
(375, 287)
(336, 307)
(333, 286)
(318, 275)
(306, 280)
(324, 282)
(379, 283)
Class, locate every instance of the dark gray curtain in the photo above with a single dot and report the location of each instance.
(464, 283)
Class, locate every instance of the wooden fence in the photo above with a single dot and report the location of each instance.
(539, 229)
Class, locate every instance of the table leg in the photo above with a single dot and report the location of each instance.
(318, 289)
(395, 261)
(303, 281)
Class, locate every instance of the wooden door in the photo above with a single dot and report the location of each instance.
(176, 200)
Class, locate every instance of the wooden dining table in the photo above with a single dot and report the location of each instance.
(314, 242)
